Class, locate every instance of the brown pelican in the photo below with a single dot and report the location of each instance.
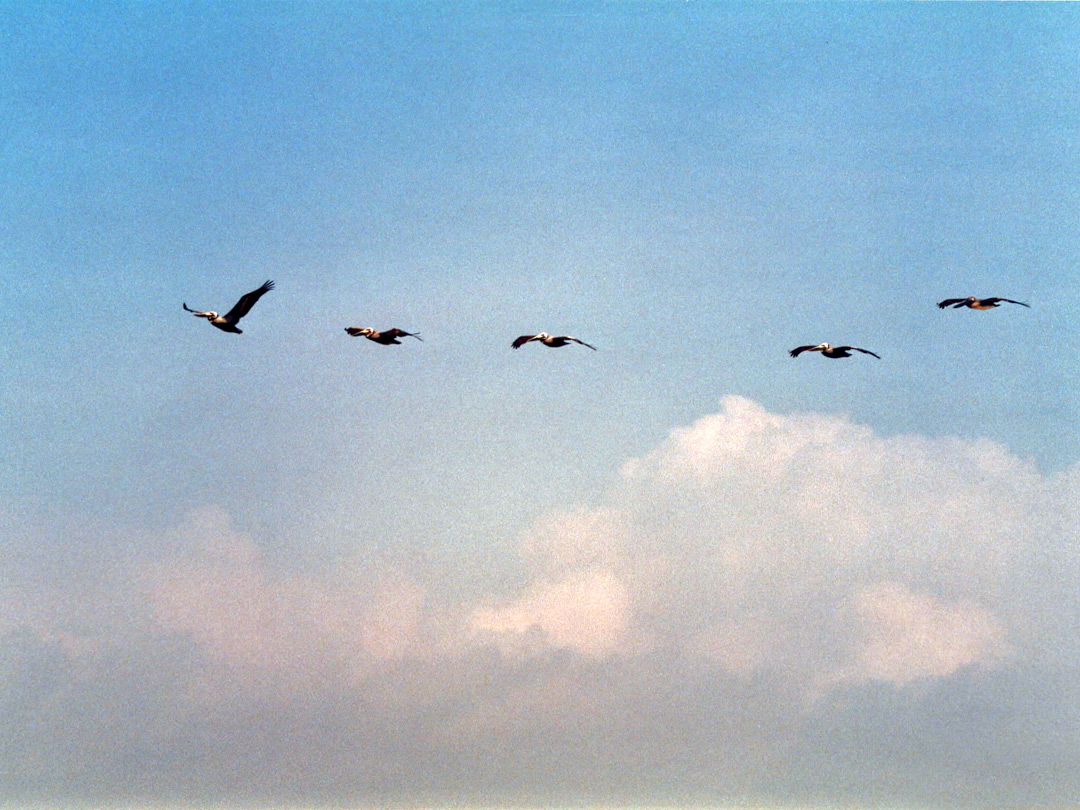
(227, 322)
(832, 351)
(554, 341)
(971, 302)
(385, 338)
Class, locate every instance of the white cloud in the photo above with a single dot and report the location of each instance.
(800, 545)
(803, 545)
(745, 591)
(221, 592)
(586, 610)
(905, 636)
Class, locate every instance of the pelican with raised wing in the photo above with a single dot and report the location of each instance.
(552, 341)
(834, 352)
(228, 321)
(384, 338)
(971, 302)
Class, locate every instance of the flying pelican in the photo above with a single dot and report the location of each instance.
(385, 338)
(553, 341)
(971, 302)
(227, 322)
(831, 351)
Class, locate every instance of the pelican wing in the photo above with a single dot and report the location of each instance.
(951, 302)
(246, 302)
(857, 349)
(582, 342)
(1006, 300)
(195, 312)
(398, 333)
(521, 341)
(800, 349)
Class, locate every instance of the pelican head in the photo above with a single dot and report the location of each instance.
(209, 315)
(542, 336)
(822, 347)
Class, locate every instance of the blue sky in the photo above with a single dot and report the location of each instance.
(692, 188)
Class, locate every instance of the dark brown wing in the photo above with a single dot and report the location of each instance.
(856, 349)
(948, 302)
(521, 341)
(246, 302)
(799, 350)
(397, 333)
(582, 342)
(1006, 300)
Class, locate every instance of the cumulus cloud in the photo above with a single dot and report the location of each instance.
(586, 610)
(746, 596)
(800, 544)
(222, 593)
(904, 636)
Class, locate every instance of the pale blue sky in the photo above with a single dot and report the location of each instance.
(692, 188)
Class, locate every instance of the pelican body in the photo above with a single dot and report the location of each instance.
(835, 352)
(384, 338)
(551, 341)
(228, 321)
(971, 302)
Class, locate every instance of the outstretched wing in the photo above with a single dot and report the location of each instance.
(582, 342)
(1007, 301)
(948, 302)
(246, 302)
(195, 312)
(799, 350)
(521, 341)
(857, 349)
(398, 333)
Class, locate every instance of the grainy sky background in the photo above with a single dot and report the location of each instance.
(295, 568)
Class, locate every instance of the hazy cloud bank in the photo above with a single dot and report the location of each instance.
(757, 590)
